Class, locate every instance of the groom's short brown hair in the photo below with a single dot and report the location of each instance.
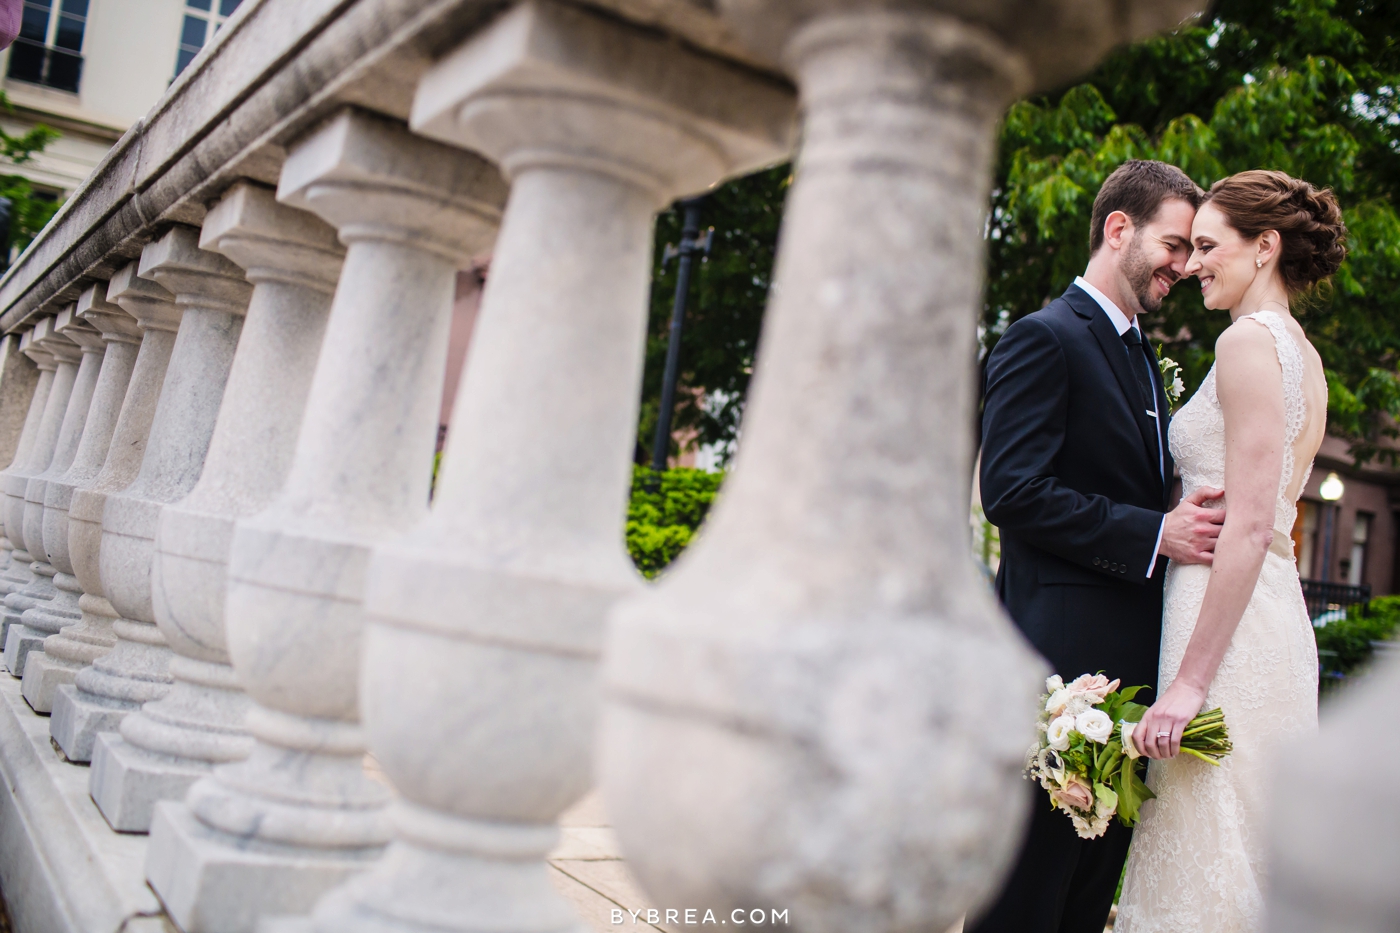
(1137, 188)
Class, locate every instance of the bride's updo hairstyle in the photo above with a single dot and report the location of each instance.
(1308, 222)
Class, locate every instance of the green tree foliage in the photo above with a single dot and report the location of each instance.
(29, 210)
(1309, 87)
(664, 512)
(727, 294)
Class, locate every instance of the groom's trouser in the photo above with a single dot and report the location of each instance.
(1061, 883)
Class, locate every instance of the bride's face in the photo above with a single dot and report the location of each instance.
(1221, 259)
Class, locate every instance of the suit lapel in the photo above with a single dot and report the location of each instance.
(1113, 350)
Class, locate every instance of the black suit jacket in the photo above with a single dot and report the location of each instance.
(1071, 477)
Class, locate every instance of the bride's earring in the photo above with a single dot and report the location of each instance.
(1258, 263)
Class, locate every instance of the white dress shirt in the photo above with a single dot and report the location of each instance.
(1121, 324)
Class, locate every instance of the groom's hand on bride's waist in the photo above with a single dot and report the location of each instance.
(1189, 533)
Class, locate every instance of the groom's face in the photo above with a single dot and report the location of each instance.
(1155, 257)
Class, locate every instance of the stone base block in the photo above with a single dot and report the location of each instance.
(63, 870)
(19, 642)
(77, 720)
(43, 676)
(5, 632)
(127, 782)
(211, 882)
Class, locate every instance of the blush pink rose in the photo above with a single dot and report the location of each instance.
(1074, 794)
(1095, 685)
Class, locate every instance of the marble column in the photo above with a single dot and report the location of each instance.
(45, 366)
(821, 708)
(213, 294)
(47, 604)
(270, 834)
(79, 715)
(293, 261)
(66, 356)
(484, 623)
(122, 335)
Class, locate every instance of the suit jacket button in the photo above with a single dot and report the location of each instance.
(1113, 567)
(1097, 561)
(1123, 569)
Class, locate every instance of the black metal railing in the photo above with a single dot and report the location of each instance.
(1328, 602)
(45, 64)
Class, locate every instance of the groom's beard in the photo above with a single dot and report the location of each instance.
(1138, 271)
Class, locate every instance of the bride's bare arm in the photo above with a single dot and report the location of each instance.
(1249, 384)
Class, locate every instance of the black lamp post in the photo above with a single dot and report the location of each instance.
(691, 243)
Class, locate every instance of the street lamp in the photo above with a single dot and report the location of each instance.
(1331, 490)
(691, 243)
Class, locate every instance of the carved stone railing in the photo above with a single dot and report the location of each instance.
(219, 385)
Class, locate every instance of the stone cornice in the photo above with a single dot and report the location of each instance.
(273, 72)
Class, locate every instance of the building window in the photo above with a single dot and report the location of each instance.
(202, 19)
(49, 47)
(1360, 534)
(1305, 537)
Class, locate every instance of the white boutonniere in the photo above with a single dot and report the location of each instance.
(1171, 379)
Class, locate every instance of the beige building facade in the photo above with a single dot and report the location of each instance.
(73, 69)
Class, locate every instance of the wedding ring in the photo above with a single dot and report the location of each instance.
(1164, 735)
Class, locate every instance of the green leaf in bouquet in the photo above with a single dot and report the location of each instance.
(1114, 702)
(1130, 712)
(1106, 795)
(1132, 792)
(1127, 807)
(1127, 693)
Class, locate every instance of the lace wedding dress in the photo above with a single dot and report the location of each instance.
(1197, 858)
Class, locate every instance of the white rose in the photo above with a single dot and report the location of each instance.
(1057, 736)
(1054, 682)
(1056, 702)
(1094, 725)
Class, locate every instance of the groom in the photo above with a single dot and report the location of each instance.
(1076, 474)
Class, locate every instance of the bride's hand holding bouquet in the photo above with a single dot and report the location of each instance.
(1160, 732)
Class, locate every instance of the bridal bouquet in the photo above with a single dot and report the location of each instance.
(1086, 758)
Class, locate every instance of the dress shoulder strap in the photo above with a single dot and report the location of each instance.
(1290, 359)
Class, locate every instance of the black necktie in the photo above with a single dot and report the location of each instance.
(1133, 340)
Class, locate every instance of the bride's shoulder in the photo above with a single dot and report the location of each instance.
(1246, 337)
(1246, 357)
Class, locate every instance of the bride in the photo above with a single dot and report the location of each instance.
(1236, 634)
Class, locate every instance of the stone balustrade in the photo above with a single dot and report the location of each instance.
(224, 582)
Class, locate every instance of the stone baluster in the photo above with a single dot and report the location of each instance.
(293, 261)
(821, 708)
(65, 355)
(485, 621)
(78, 716)
(270, 834)
(44, 671)
(45, 366)
(18, 377)
(213, 294)
(44, 607)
